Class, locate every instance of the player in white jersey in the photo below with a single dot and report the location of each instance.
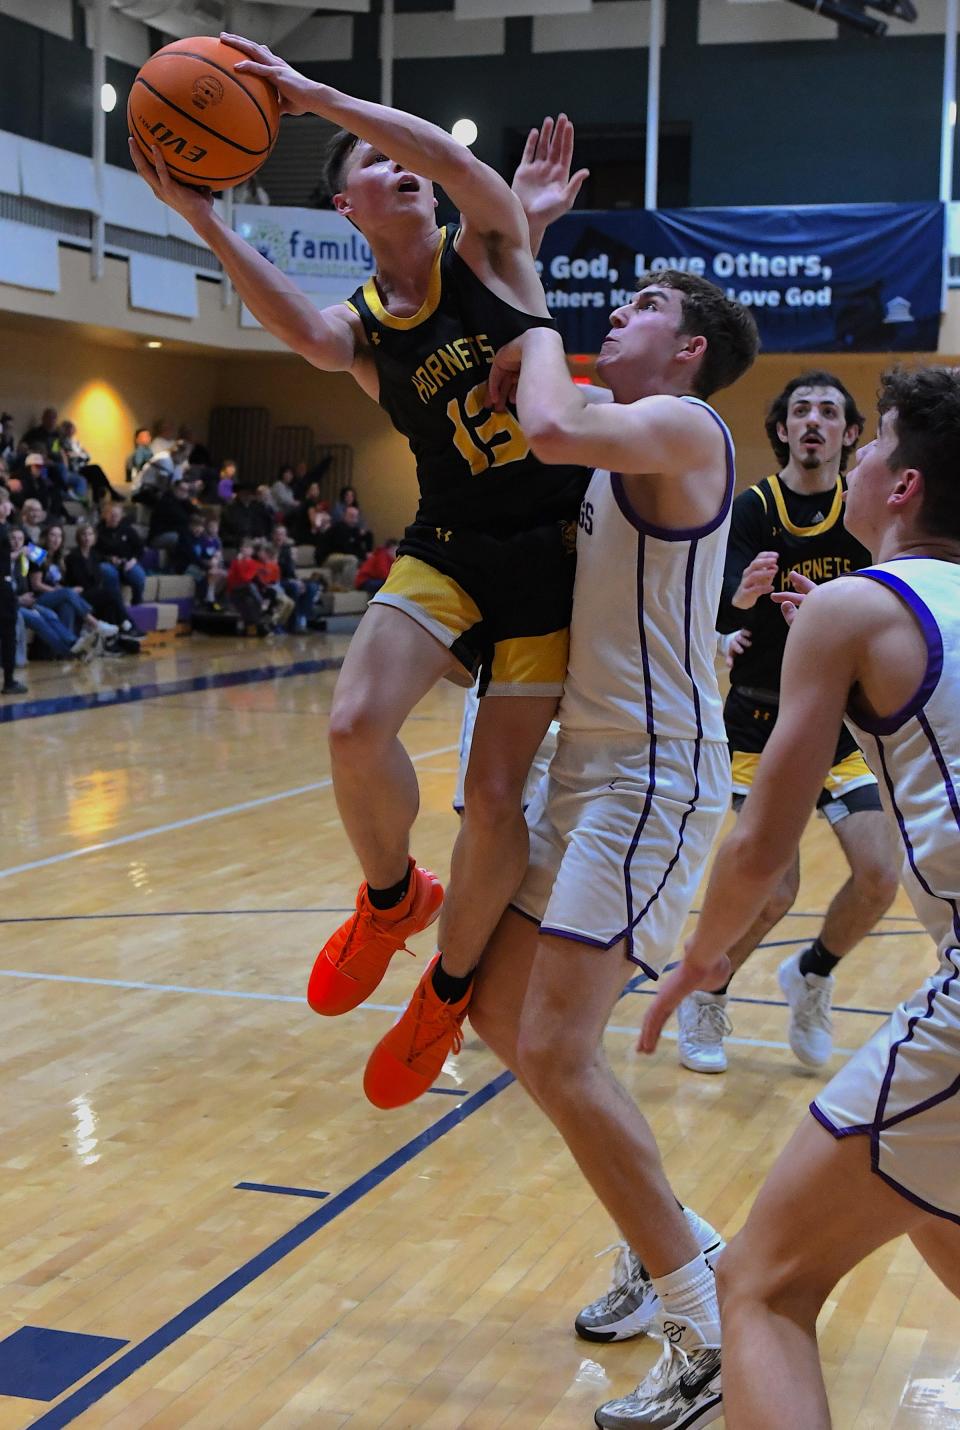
(640, 781)
(882, 1151)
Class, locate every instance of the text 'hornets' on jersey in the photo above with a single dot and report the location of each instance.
(474, 465)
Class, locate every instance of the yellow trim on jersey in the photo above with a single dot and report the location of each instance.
(525, 661)
(829, 520)
(352, 306)
(849, 773)
(759, 491)
(427, 307)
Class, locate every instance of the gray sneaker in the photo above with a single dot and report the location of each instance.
(703, 1024)
(681, 1392)
(811, 1027)
(630, 1306)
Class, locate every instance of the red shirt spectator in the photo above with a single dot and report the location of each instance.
(376, 568)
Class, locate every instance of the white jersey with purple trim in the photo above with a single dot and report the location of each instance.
(902, 1089)
(645, 664)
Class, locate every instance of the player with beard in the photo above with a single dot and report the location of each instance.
(788, 532)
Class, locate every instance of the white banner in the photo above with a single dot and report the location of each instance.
(318, 248)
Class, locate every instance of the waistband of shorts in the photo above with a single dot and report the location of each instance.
(756, 692)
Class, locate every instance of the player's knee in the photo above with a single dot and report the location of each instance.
(751, 1274)
(876, 882)
(550, 1061)
(491, 797)
(356, 729)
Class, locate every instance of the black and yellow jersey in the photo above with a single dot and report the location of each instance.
(474, 466)
(807, 532)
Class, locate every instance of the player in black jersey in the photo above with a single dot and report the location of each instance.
(484, 577)
(787, 534)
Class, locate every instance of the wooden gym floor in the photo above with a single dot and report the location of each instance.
(206, 1225)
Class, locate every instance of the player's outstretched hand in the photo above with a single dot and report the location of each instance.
(791, 601)
(756, 581)
(192, 204)
(294, 89)
(685, 978)
(543, 182)
(505, 375)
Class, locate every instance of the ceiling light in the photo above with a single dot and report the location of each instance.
(464, 131)
(108, 98)
(154, 343)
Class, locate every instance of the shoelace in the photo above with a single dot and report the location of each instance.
(712, 1025)
(663, 1370)
(814, 1010)
(347, 950)
(627, 1273)
(431, 1027)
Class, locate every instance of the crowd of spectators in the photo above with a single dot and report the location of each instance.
(74, 555)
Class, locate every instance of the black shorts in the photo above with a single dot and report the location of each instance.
(849, 787)
(501, 604)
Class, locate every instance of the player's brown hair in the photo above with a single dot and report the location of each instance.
(780, 407)
(729, 328)
(340, 146)
(927, 405)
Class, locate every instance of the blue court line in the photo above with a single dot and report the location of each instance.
(171, 914)
(280, 1191)
(178, 1326)
(154, 690)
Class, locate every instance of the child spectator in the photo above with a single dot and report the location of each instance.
(276, 600)
(375, 570)
(283, 499)
(227, 484)
(46, 625)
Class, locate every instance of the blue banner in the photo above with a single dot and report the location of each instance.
(830, 278)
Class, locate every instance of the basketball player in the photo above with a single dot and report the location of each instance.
(793, 522)
(879, 1157)
(483, 580)
(638, 786)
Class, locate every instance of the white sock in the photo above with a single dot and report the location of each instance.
(690, 1294)
(706, 1235)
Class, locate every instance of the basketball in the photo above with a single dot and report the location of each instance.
(214, 127)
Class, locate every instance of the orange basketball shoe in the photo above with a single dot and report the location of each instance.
(409, 1059)
(354, 958)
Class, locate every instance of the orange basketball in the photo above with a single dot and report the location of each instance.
(214, 127)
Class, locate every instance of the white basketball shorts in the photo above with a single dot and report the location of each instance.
(902, 1090)
(620, 831)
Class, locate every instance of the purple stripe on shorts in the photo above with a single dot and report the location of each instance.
(858, 1130)
(912, 1197)
(931, 633)
(651, 738)
(891, 1064)
(909, 847)
(924, 1106)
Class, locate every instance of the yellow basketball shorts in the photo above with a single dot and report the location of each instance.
(500, 605)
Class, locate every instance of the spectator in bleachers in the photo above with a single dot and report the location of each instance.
(47, 573)
(163, 437)
(46, 625)
(45, 436)
(212, 581)
(322, 534)
(348, 502)
(119, 548)
(33, 519)
(302, 521)
(8, 441)
(79, 462)
(8, 604)
(84, 572)
(243, 591)
(170, 517)
(245, 518)
(303, 593)
(141, 454)
(283, 499)
(33, 479)
(278, 604)
(348, 547)
(376, 568)
(227, 483)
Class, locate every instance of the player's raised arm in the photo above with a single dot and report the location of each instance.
(562, 425)
(329, 339)
(484, 199)
(543, 182)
